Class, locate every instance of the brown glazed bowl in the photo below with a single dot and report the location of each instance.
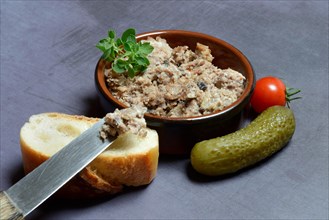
(177, 136)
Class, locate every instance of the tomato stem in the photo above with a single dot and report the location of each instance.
(291, 92)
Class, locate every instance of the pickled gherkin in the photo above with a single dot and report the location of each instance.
(264, 136)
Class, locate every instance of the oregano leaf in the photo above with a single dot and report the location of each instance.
(116, 68)
(126, 55)
(128, 35)
(145, 48)
(111, 34)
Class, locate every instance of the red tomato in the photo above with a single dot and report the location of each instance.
(269, 91)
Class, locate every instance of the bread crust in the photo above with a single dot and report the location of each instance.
(109, 173)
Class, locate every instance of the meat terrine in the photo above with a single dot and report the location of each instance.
(178, 82)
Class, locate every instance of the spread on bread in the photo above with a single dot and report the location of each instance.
(124, 120)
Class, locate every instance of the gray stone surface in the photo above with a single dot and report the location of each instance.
(48, 57)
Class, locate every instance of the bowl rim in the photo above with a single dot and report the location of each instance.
(250, 83)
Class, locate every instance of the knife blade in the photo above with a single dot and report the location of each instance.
(32, 190)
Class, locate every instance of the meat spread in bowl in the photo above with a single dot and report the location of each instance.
(178, 82)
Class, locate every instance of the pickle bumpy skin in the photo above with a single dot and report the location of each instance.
(264, 136)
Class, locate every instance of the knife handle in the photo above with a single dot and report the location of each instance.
(7, 208)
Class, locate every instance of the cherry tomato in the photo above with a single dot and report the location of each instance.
(269, 91)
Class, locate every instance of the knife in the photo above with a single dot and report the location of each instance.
(32, 190)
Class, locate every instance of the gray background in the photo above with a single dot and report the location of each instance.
(48, 57)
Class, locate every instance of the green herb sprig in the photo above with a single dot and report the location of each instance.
(125, 53)
(290, 92)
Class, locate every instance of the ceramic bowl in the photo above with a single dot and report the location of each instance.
(177, 136)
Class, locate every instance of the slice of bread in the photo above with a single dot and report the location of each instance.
(131, 160)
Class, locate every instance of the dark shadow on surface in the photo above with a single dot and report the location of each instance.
(93, 107)
(166, 158)
(248, 116)
(55, 205)
(17, 173)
